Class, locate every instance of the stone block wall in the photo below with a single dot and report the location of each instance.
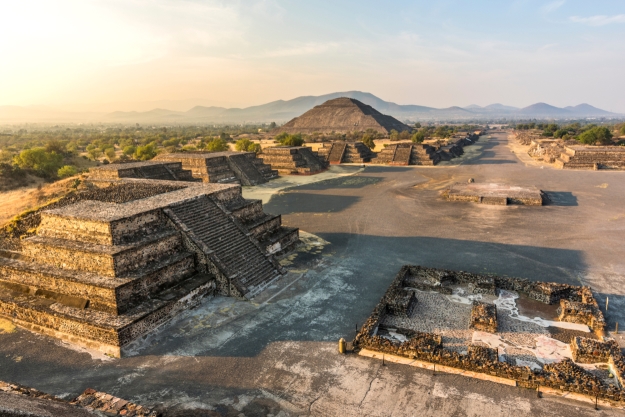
(429, 347)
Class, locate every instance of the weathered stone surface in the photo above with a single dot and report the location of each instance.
(495, 194)
(429, 347)
(483, 317)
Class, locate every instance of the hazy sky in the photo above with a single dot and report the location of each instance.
(240, 53)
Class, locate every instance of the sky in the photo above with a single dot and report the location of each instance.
(136, 54)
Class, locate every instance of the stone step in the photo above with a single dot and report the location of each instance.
(97, 330)
(280, 241)
(108, 294)
(234, 249)
(114, 261)
(245, 169)
(263, 225)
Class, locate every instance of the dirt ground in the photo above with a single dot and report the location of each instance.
(277, 355)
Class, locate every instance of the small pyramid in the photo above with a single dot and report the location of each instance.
(342, 115)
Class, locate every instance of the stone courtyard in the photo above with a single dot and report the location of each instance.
(279, 353)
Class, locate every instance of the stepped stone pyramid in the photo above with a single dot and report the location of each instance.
(342, 115)
(408, 154)
(592, 157)
(293, 160)
(223, 167)
(345, 152)
(100, 274)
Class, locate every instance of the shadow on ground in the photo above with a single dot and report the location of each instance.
(561, 198)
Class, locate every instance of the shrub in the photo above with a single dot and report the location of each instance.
(246, 145)
(596, 135)
(418, 137)
(67, 171)
(129, 150)
(146, 152)
(290, 140)
(368, 141)
(45, 164)
(217, 145)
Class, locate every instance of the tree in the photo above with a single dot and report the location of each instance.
(246, 145)
(622, 131)
(94, 153)
(394, 135)
(290, 140)
(146, 152)
(404, 135)
(418, 137)
(129, 150)
(368, 141)
(55, 146)
(417, 125)
(217, 145)
(272, 125)
(596, 135)
(43, 163)
(110, 153)
(67, 171)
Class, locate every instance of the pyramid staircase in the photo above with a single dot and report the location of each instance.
(592, 157)
(345, 152)
(407, 154)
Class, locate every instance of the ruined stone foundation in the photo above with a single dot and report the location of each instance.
(592, 157)
(102, 274)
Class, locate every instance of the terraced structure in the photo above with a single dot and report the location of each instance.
(100, 274)
(223, 167)
(592, 157)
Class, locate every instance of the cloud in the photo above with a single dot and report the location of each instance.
(600, 20)
(308, 48)
(553, 6)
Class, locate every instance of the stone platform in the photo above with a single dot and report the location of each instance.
(495, 194)
(223, 167)
(592, 157)
(152, 170)
(293, 160)
(101, 274)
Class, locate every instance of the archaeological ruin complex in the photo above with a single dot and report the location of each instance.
(533, 334)
(131, 253)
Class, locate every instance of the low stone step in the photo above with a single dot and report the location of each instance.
(98, 330)
(108, 294)
(113, 261)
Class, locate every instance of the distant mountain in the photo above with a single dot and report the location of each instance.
(501, 107)
(281, 111)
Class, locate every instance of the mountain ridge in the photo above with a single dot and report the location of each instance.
(284, 110)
